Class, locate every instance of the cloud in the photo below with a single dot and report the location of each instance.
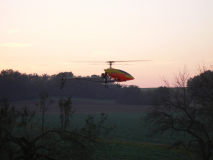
(12, 31)
(15, 45)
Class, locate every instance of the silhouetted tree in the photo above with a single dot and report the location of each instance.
(160, 95)
(201, 87)
(130, 95)
(187, 109)
(21, 136)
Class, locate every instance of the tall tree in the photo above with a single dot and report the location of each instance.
(187, 109)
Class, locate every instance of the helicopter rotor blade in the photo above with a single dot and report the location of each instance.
(128, 61)
(111, 61)
(115, 64)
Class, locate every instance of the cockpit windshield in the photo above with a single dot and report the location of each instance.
(124, 72)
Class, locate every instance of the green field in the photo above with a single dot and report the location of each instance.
(86, 99)
(147, 89)
(130, 139)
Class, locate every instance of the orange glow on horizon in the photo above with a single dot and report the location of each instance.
(44, 37)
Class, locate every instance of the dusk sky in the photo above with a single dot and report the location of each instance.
(45, 36)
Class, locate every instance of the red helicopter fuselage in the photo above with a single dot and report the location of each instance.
(119, 75)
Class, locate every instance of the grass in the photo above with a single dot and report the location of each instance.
(73, 98)
(137, 152)
(147, 89)
(129, 127)
(87, 99)
(96, 100)
(130, 138)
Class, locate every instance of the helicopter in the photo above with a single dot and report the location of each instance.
(108, 78)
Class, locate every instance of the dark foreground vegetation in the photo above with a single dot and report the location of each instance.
(187, 109)
(25, 135)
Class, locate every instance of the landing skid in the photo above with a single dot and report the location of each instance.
(106, 85)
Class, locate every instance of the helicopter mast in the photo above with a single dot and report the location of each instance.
(110, 64)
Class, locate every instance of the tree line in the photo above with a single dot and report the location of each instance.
(22, 86)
